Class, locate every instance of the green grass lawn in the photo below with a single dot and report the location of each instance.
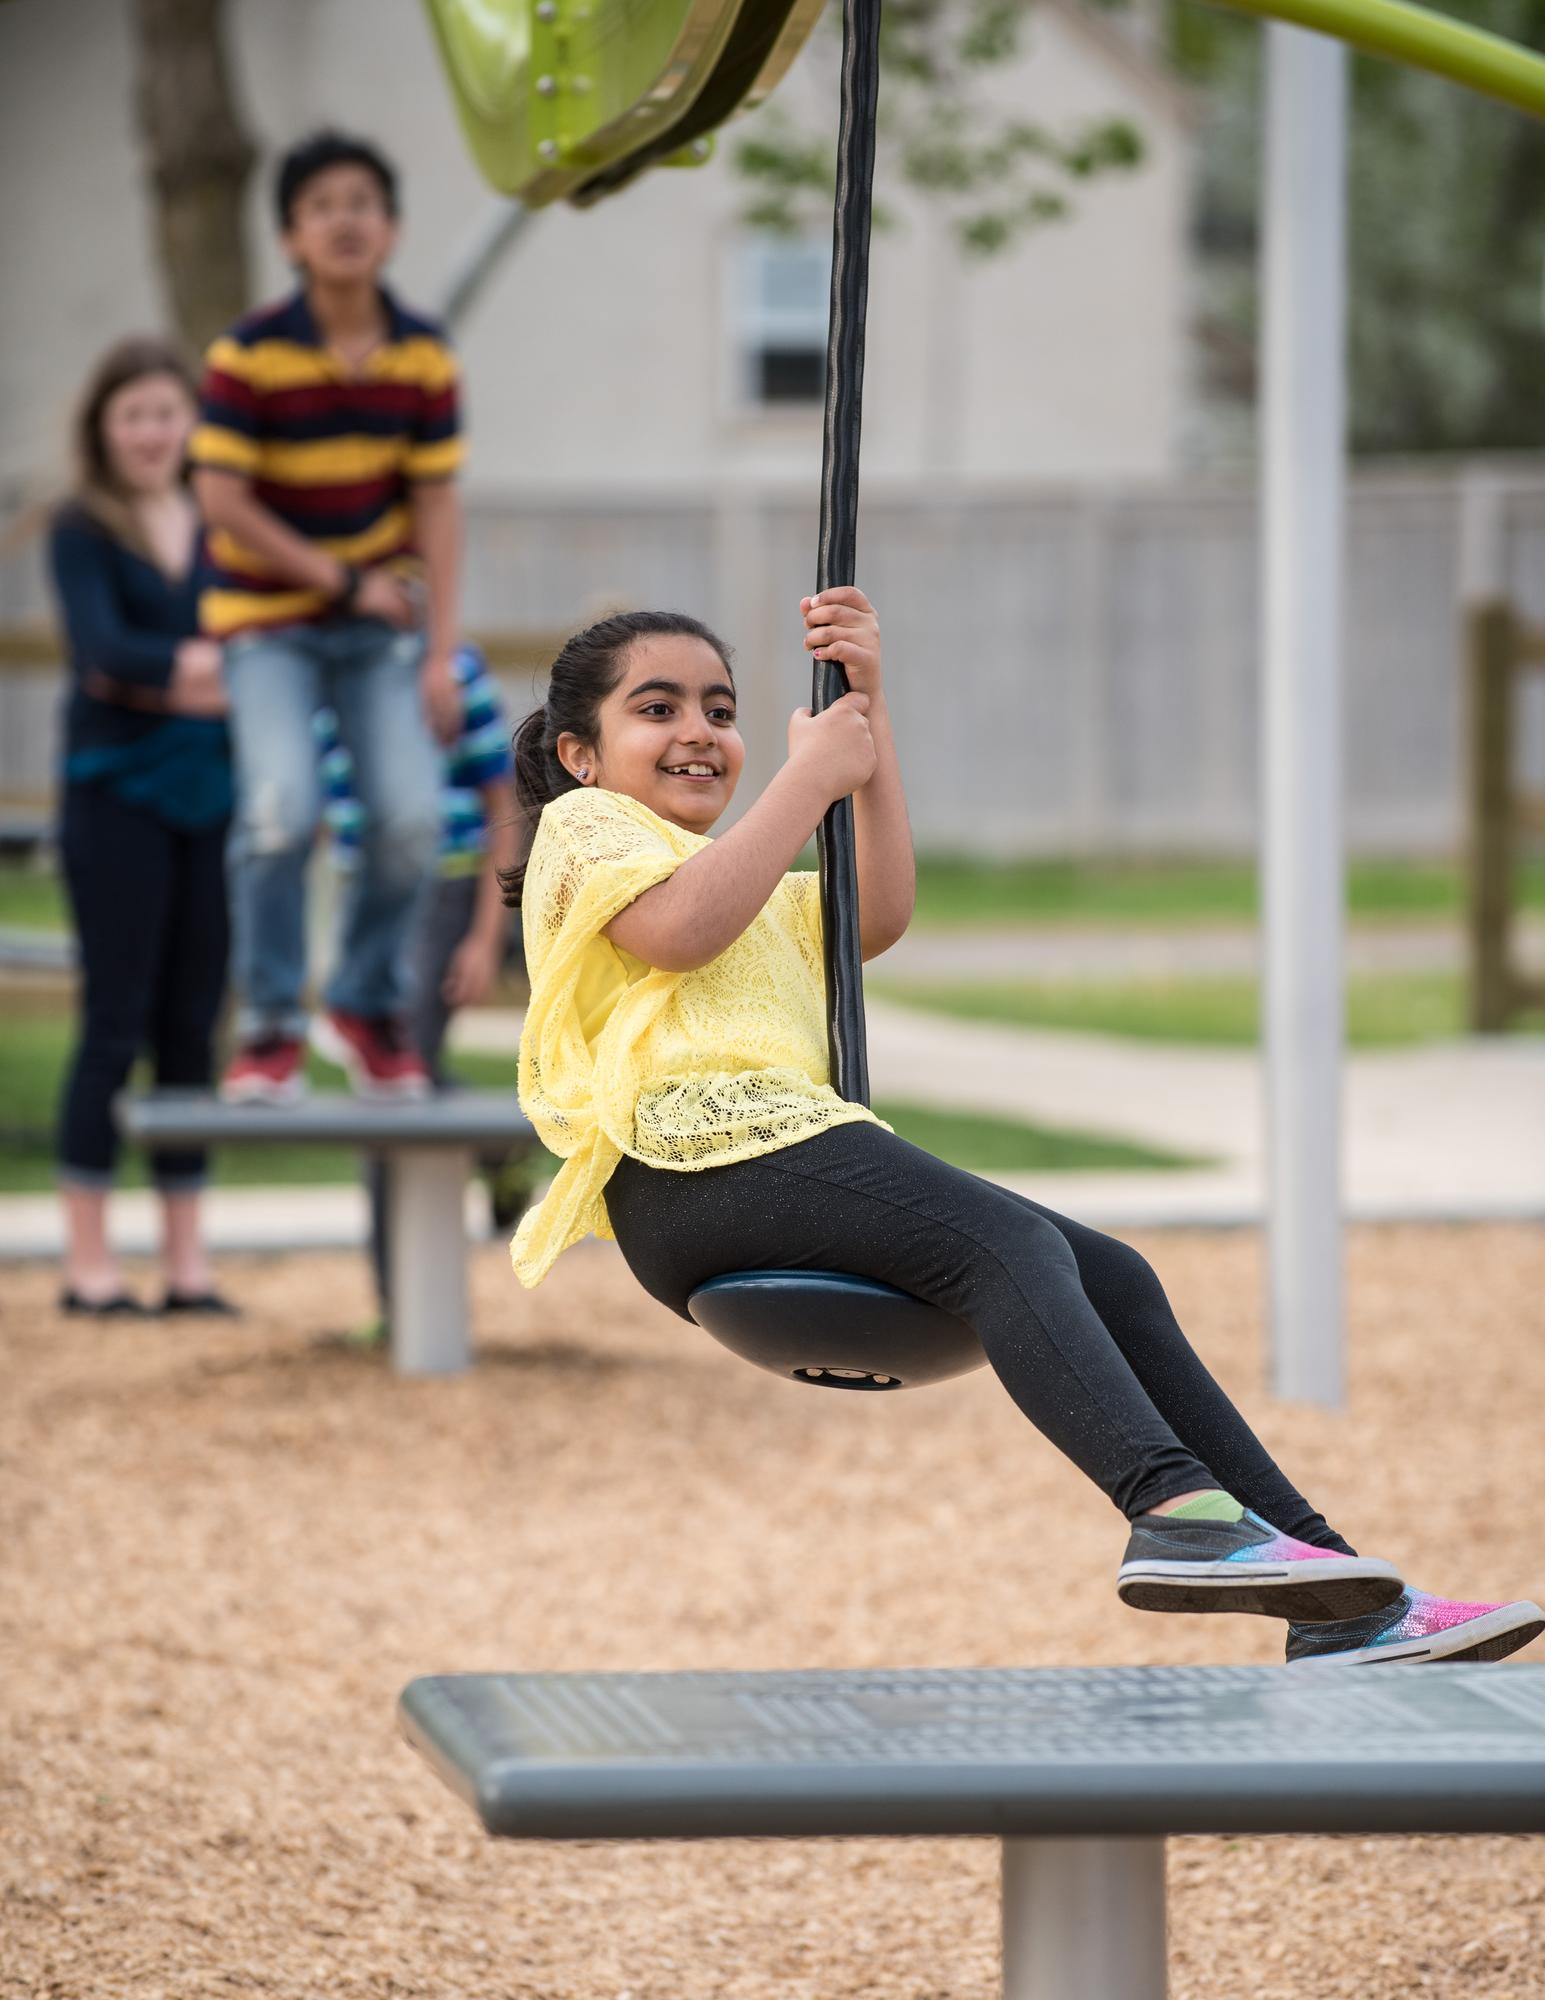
(960, 891)
(31, 897)
(957, 891)
(34, 1048)
(987, 1145)
(1382, 1012)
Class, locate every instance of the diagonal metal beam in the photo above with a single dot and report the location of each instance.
(1421, 38)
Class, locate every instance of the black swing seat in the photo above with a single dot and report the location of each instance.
(833, 1330)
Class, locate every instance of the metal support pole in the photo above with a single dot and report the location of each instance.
(1491, 843)
(494, 236)
(1303, 511)
(428, 1249)
(1487, 650)
(1424, 37)
(1084, 1920)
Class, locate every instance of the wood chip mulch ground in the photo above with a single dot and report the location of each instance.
(224, 1550)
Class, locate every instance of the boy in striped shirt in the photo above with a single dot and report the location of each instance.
(325, 466)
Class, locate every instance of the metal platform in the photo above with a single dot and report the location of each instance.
(469, 1118)
(1080, 1772)
(429, 1147)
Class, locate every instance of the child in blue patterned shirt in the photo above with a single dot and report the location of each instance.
(462, 931)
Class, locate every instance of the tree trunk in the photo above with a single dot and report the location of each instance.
(198, 158)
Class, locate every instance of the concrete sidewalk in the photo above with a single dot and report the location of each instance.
(1445, 1129)
(1448, 1129)
(236, 1219)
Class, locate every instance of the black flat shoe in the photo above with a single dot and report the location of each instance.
(119, 1305)
(213, 1305)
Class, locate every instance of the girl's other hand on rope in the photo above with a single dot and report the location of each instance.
(836, 746)
(841, 625)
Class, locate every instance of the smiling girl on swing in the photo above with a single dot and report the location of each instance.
(675, 1056)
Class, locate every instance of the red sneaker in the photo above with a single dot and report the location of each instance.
(377, 1054)
(266, 1071)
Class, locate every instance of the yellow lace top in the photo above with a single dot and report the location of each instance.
(677, 1069)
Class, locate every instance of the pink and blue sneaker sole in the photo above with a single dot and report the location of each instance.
(1416, 1629)
(1247, 1566)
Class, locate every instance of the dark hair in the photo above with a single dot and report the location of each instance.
(585, 672)
(97, 486)
(314, 155)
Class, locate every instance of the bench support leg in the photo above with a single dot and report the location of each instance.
(1084, 1920)
(428, 1243)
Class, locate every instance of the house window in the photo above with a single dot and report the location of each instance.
(784, 287)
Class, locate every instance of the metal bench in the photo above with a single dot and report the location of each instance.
(1081, 1773)
(429, 1147)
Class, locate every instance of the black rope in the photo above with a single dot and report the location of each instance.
(839, 518)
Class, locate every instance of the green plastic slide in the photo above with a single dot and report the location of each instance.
(572, 98)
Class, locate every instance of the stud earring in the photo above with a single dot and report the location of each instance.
(584, 776)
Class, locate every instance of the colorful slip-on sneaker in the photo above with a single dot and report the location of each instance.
(1417, 1628)
(1246, 1565)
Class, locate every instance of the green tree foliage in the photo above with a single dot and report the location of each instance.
(1448, 258)
(997, 176)
(1447, 240)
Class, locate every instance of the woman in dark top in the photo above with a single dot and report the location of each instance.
(146, 798)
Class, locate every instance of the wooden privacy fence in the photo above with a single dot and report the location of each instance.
(1505, 813)
(29, 665)
(1072, 671)
(37, 644)
(30, 685)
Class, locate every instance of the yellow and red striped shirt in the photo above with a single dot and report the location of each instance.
(334, 453)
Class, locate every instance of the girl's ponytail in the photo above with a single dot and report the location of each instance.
(583, 675)
(539, 777)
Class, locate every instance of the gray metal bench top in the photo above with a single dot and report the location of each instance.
(1080, 1772)
(429, 1147)
(463, 1118)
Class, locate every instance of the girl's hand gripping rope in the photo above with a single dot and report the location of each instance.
(835, 748)
(841, 625)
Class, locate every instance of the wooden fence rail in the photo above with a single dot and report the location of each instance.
(31, 668)
(1504, 814)
(38, 644)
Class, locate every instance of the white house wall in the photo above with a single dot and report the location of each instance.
(603, 357)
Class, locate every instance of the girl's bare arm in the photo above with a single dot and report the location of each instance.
(686, 921)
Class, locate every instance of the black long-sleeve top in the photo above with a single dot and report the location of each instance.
(124, 619)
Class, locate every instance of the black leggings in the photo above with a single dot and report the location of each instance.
(149, 907)
(1075, 1324)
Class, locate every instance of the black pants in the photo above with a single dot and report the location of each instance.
(1075, 1324)
(149, 906)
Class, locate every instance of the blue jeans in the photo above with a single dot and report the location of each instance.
(369, 674)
